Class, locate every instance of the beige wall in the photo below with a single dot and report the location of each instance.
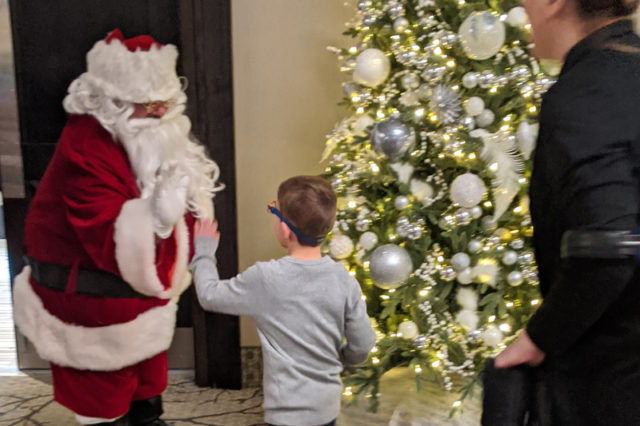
(286, 86)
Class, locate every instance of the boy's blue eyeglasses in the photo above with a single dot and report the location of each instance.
(271, 208)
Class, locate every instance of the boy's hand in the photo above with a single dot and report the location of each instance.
(521, 351)
(206, 228)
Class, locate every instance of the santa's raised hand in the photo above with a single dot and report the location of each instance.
(169, 198)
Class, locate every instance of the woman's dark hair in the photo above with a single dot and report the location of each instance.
(607, 8)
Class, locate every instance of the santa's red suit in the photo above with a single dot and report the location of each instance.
(101, 306)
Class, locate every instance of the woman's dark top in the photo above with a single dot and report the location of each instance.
(585, 176)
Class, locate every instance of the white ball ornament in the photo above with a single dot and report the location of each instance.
(468, 319)
(467, 190)
(465, 276)
(485, 118)
(401, 202)
(408, 329)
(368, 240)
(515, 278)
(460, 261)
(474, 106)
(517, 17)
(474, 246)
(510, 257)
(400, 25)
(492, 336)
(482, 35)
(340, 247)
(470, 80)
(372, 67)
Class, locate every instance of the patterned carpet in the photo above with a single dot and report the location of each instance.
(27, 400)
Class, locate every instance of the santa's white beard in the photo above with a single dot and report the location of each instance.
(152, 142)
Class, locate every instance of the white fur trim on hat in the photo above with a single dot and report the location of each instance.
(105, 348)
(136, 251)
(140, 76)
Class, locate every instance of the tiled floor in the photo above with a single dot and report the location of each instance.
(27, 400)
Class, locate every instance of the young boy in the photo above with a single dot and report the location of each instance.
(304, 305)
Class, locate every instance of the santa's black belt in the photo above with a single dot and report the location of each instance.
(600, 244)
(89, 282)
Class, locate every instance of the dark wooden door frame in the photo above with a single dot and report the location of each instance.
(205, 32)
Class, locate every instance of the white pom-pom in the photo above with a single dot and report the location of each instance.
(362, 123)
(492, 336)
(422, 191)
(408, 329)
(474, 106)
(340, 247)
(404, 171)
(368, 240)
(467, 190)
(486, 272)
(467, 298)
(468, 319)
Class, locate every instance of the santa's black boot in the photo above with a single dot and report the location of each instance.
(122, 421)
(147, 412)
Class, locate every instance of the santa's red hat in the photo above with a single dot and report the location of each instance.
(136, 70)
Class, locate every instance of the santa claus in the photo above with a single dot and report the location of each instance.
(108, 234)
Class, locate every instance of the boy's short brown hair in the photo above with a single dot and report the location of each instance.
(309, 203)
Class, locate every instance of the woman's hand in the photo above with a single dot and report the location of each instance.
(522, 351)
(206, 228)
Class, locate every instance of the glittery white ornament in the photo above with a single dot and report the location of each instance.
(465, 276)
(408, 329)
(460, 261)
(401, 202)
(485, 118)
(467, 298)
(470, 80)
(372, 67)
(340, 247)
(422, 191)
(517, 17)
(482, 35)
(468, 319)
(509, 257)
(492, 336)
(390, 265)
(368, 240)
(467, 190)
(474, 106)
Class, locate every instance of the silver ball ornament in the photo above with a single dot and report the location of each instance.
(482, 35)
(485, 118)
(392, 138)
(465, 276)
(390, 265)
(372, 67)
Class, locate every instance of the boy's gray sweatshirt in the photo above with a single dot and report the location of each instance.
(303, 309)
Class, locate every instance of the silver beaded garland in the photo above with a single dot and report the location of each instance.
(486, 79)
(525, 258)
(420, 342)
(362, 224)
(448, 273)
(463, 217)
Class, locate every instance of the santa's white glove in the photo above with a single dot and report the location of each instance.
(169, 199)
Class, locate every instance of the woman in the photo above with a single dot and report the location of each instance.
(585, 178)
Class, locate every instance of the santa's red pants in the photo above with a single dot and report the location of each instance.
(108, 394)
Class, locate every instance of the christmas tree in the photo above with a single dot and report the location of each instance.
(431, 171)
